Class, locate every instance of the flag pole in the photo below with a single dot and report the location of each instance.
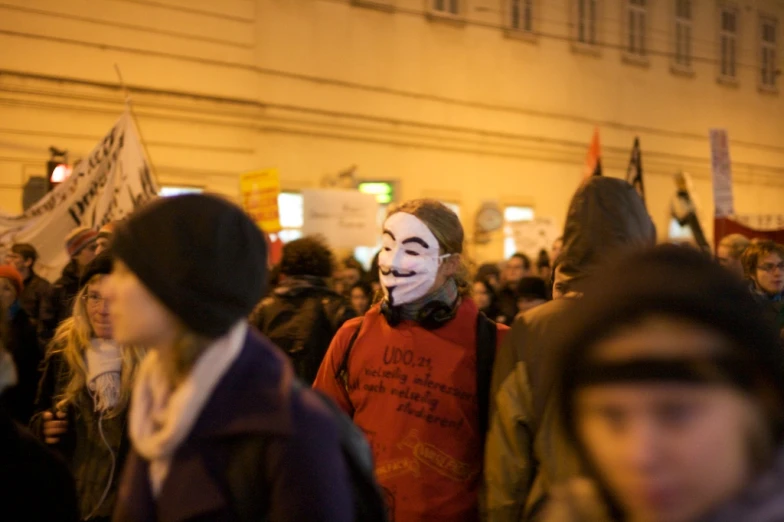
(127, 94)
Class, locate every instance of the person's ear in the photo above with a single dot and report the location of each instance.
(451, 265)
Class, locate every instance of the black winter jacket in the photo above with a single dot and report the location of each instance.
(301, 317)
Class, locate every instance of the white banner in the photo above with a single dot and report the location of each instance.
(722, 173)
(345, 218)
(109, 184)
(531, 237)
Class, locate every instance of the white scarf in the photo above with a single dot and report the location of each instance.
(104, 367)
(161, 418)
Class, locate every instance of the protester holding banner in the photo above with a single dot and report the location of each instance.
(36, 289)
(414, 371)
(219, 430)
(83, 397)
(18, 336)
(80, 245)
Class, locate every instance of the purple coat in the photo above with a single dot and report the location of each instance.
(257, 452)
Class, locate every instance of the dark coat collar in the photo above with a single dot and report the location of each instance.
(253, 397)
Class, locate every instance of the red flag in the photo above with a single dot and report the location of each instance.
(593, 161)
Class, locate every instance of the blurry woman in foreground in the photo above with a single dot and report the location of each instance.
(673, 393)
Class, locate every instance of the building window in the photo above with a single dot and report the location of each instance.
(636, 14)
(446, 7)
(682, 33)
(291, 216)
(586, 20)
(728, 43)
(514, 214)
(521, 15)
(168, 191)
(768, 66)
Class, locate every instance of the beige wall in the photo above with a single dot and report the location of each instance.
(455, 111)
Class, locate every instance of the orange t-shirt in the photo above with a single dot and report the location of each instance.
(413, 392)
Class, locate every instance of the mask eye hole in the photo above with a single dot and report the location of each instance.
(412, 253)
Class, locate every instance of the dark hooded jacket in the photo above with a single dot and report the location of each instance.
(525, 452)
(301, 317)
(59, 305)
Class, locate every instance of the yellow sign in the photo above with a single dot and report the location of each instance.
(260, 190)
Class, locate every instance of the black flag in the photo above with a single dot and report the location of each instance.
(634, 172)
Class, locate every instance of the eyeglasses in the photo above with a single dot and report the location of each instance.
(770, 267)
(94, 299)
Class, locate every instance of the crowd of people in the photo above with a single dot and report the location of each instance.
(170, 374)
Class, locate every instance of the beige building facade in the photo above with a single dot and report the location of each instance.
(467, 101)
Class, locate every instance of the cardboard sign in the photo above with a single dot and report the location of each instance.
(722, 173)
(345, 218)
(531, 237)
(259, 190)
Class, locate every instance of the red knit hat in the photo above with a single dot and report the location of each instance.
(13, 275)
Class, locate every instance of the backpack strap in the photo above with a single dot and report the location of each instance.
(486, 331)
(342, 372)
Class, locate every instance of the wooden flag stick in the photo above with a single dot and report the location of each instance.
(127, 94)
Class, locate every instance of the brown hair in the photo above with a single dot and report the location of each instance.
(756, 251)
(447, 229)
(736, 243)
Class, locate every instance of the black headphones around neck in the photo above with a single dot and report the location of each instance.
(432, 316)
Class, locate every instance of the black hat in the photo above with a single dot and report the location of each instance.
(683, 284)
(532, 288)
(200, 255)
(100, 265)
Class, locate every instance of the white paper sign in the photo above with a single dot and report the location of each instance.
(722, 173)
(531, 237)
(345, 218)
(108, 185)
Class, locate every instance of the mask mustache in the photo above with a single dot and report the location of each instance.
(396, 273)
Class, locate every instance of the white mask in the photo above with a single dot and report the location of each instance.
(408, 262)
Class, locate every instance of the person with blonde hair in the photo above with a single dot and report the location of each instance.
(414, 372)
(83, 397)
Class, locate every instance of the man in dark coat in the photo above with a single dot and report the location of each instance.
(303, 314)
(36, 484)
(80, 244)
(525, 455)
(36, 289)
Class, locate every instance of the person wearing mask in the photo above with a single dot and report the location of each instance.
(484, 296)
(83, 397)
(37, 485)
(763, 262)
(671, 393)
(303, 313)
(36, 289)
(730, 252)
(525, 453)
(517, 267)
(19, 338)
(361, 296)
(531, 292)
(219, 429)
(410, 372)
(80, 244)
